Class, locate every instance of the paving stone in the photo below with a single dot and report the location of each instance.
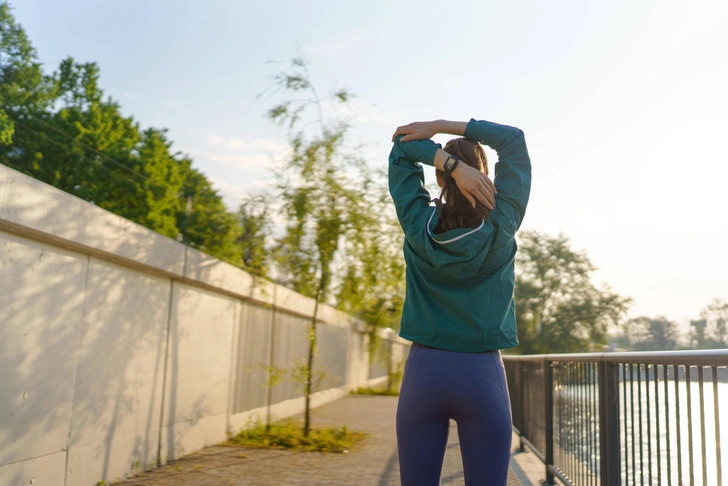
(371, 462)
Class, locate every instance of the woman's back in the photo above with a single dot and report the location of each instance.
(460, 282)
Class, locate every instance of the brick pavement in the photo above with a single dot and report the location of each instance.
(371, 462)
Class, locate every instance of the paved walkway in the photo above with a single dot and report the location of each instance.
(372, 462)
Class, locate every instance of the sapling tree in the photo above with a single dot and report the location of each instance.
(322, 186)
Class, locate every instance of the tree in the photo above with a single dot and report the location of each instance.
(558, 308)
(314, 189)
(254, 218)
(716, 315)
(325, 188)
(24, 89)
(650, 334)
(208, 225)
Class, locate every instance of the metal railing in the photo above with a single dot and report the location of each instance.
(623, 418)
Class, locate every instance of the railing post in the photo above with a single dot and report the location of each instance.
(520, 397)
(609, 460)
(549, 418)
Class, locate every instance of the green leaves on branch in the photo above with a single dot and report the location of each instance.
(6, 128)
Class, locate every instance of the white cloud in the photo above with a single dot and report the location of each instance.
(259, 144)
(250, 161)
(232, 194)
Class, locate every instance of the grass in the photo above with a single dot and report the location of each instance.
(289, 435)
(394, 392)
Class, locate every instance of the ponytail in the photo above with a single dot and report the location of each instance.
(457, 212)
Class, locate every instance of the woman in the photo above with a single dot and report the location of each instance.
(459, 310)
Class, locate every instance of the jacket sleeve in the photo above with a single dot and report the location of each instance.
(513, 170)
(407, 186)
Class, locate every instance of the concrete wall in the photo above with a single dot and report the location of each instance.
(120, 348)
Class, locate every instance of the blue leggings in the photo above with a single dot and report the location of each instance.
(469, 388)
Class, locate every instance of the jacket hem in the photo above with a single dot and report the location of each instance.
(460, 347)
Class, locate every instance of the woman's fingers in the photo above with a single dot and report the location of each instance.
(484, 199)
(470, 199)
(478, 192)
(402, 130)
(475, 185)
(492, 185)
(415, 131)
(488, 191)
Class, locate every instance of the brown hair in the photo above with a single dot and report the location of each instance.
(457, 212)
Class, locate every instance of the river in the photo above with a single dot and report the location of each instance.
(650, 454)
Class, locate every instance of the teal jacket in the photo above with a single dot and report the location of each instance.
(460, 283)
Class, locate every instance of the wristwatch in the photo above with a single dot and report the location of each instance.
(448, 167)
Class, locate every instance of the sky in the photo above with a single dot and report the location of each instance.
(623, 103)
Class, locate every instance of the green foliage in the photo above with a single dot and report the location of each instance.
(6, 128)
(254, 217)
(288, 435)
(372, 281)
(24, 89)
(376, 391)
(274, 374)
(209, 227)
(62, 130)
(558, 308)
(301, 375)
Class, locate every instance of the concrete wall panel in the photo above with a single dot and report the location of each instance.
(264, 291)
(211, 271)
(117, 403)
(358, 358)
(332, 357)
(32, 207)
(41, 471)
(290, 350)
(199, 366)
(253, 354)
(185, 437)
(287, 299)
(334, 317)
(41, 310)
(114, 459)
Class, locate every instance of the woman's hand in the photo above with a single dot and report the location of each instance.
(474, 184)
(418, 130)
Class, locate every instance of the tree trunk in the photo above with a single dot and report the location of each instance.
(309, 367)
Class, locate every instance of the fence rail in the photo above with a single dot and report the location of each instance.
(623, 418)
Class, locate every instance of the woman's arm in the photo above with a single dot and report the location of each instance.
(513, 170)
(407, 187)
(472, 183)
(421, 130)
